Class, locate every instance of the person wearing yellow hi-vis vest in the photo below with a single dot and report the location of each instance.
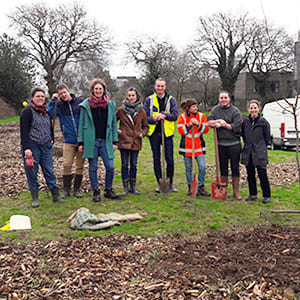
(162, 106)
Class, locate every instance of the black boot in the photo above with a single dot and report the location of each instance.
(133, 189)
(125, 187)
(109, 193)
(189, 190)
(202, 192)
(77, 184)
(96, 195)
(56, 196)
(67, 179)
(35, 198)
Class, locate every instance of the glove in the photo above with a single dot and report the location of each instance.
(29, 162)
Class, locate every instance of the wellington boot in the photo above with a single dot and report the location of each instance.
(56, 196)
(224, 179)
(236, 188)
(67, 180)
(125, 187)
(133, 189)
(77, 184)
(189, 190)
(35, 198)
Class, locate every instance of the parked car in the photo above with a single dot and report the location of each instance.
(281, 118)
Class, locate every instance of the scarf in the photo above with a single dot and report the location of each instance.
(96, 102)
(41, 109)
(253, 120)
(131, 109)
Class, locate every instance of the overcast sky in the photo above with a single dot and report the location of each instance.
(175, 20)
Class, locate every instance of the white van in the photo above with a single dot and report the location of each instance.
(280, 116)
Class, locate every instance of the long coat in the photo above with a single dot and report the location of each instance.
(256, 136)
(130, 129)
(87, 130)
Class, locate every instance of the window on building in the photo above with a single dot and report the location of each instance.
(274, 86)
(255, 88)
(289, 88)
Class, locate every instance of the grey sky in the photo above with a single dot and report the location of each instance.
(175, 20)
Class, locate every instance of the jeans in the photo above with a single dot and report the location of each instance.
(201, 163)
(155, 142)
(129, 157)
(69, 152)
(232, 154)
(263, 178)
(100, 150)
(42, 154)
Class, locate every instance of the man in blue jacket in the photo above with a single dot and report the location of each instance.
(68, 111)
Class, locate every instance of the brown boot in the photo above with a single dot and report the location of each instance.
(202, 192)
(236, 188)
(109, 193)
(224, 179)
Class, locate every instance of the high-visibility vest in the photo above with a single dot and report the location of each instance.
(186, 143)
(169, 126)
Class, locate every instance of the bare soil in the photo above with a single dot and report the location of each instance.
(252, 263)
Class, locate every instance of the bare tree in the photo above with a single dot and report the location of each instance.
(224, 42)
(57, 36)
(181, 70)
(272, 51)
(78, 75)
(205, 76)
(153, 57)
(293, 108)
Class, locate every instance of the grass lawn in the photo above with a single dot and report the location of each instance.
(175, 213)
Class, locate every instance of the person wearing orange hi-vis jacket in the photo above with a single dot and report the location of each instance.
(189, 120)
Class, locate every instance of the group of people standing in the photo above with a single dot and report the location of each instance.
(94, 127)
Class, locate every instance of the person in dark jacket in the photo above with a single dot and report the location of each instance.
(133, 127)
(227, 119)
(68, 112)
(162, 107)
(256, 136)
(36, 146)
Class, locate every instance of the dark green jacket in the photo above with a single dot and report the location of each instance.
(87, 133)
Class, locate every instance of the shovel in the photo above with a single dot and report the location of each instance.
(54, 113)
(164, 183)
(218, 189)
(194, 182)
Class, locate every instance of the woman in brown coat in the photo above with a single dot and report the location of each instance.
(132, 128)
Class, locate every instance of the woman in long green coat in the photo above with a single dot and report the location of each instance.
(98, 136)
